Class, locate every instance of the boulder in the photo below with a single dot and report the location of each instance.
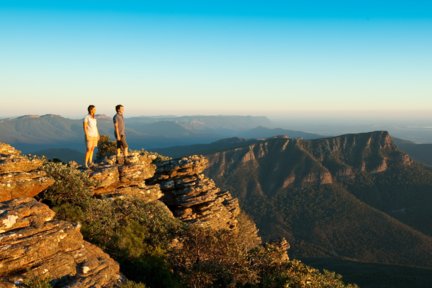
(20, 176)
(113, 180)
(194, 198)
(33, 245)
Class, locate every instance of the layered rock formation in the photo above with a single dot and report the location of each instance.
(32, 244)
(35, 245)
(180, 183)
(20, 176)
(193, 197)
(116, 180)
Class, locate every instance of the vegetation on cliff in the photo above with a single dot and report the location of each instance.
(155, 248)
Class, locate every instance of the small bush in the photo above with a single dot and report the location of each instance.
(71, 186)
(106, 148)
(138, 235)
(36, 283)
(208, 258)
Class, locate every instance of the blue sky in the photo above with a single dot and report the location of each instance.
(216, 57)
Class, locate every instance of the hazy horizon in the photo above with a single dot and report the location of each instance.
(416, 128)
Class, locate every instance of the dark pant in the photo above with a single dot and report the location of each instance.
(122, 144)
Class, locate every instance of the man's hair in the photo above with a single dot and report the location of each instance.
(90, 108)
(118, 107)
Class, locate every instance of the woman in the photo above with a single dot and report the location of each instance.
(91, 135)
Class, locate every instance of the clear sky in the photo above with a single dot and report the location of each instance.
(216, 57)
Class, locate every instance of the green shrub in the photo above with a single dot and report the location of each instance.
(71, 186)
(138, 235)
(106, 148)
(299, 275)
(155, 271)
(36, 283)
(207, 258)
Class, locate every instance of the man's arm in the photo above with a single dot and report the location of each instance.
(116, 130)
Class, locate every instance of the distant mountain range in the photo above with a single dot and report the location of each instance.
(35, 133)
(419, 152)
(352, 197)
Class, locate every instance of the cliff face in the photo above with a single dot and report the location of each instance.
(347, 155)
(342, 196)
(193, 197)
(32, 244)
(179, 183)
(324, 161)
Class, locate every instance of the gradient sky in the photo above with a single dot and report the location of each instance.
(216, 57)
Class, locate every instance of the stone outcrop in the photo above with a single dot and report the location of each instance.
(179, 183)
(20, 176)
(33, 244)
(192, 197)
(117, 180)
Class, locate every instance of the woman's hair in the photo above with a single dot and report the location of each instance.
(90, 107)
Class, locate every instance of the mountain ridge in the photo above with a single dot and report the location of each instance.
(39, 132)
(285, 182)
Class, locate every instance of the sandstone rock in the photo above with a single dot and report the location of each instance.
(145, 193)
(11, 161)
(23, 212)
(23, 184)
(114, 180)
(32, 245)
(106, 178)
(6, 149)
(20, 176)
(185, 166)
(194, 198)
(135, 174)
(95, 268)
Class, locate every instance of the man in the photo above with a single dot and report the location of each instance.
(120, 133)
(91, 135)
